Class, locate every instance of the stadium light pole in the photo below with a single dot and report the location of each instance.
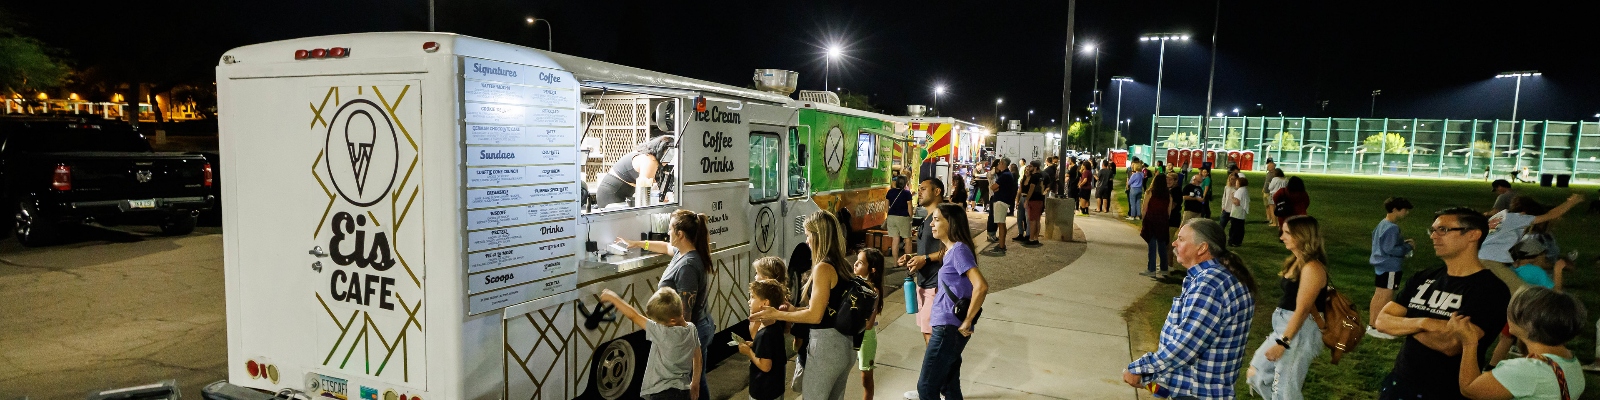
(827, 65)
(549, 34)
(1030, 119)
(1120, 80)
(1161, 63)
(937, 90)
(1517, 96)
(997, 112)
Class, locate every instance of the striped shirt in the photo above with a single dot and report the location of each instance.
(1202, 345)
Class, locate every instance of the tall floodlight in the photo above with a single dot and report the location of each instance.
(827, 65)
(1161, 64)
(1120, 80)
(1029, 120)
(937, 90)
(549, 34)
(997, 109)
(1517, 96)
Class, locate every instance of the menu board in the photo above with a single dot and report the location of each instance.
(520, 145)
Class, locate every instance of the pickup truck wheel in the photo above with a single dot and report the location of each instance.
(31, 227)
(613, 369)
(180, 223)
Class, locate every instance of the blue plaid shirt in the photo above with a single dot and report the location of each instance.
(1202, 343)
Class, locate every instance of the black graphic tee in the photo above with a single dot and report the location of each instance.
(1435, 294)
(769, 345)
(1195, 191)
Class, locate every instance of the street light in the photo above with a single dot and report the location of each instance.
(549, 44)
(1518, 95)
(1120, 80)
(827, 65)
(1030, 118)
(937, 90)
(1374, 110)
(997, 108)
(1162, 62)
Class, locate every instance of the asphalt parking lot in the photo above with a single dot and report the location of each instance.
(114, 307)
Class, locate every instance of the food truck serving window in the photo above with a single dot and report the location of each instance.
(764, 168)
(866, 150)
(629, 161)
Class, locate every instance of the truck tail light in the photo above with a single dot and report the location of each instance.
(62, 180)
(205, 171)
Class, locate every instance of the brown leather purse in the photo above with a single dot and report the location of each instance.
(1342, 327)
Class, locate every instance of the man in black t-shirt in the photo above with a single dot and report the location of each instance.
(1193, 199)
(1427, 365)
(1005, 196)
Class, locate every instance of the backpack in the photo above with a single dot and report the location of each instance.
(1342, 327)
(853, 306)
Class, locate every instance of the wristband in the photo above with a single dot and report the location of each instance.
(646, 245)
(1282, 343)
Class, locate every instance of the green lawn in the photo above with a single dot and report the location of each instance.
(1348, 207)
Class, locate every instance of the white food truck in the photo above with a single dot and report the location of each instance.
(410, 215)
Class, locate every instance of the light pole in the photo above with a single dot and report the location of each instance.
(997, 113)
(1094, 95)
(937, 90)
(827, 65)
(1120, 80)
(1030, 119)
(1374, 111)
(1518, 94)
(549, 33)
(1162, 61)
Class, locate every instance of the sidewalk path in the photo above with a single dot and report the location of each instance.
(1059, 337)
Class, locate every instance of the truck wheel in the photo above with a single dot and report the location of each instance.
(613, 369)
(31, 227)
(180, 223)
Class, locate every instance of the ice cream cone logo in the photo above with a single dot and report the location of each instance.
(359, 131)
(361, 150)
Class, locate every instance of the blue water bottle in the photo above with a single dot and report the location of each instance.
(911, 296)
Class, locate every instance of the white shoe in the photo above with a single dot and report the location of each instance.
(1373, 332)
(912, 395)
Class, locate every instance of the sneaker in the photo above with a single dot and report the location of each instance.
(912, 395)
(1151, 274)
(1373, 332)
(1020, 238)
(993, 239)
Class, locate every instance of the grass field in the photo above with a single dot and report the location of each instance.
(1348, 207)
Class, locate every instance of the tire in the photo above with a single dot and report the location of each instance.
(613, 368)
(180, 223)
(31, 227)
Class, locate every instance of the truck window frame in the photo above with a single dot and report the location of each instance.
(775, 165)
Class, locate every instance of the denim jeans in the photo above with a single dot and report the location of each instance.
(1157, 248)
(1022, 218)
(941, 364)
(705, 328)
(1135, 201)
(1275, 380)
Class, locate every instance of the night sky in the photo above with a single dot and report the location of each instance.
(1432, 59)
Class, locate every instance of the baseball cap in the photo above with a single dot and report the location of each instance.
(1527, 248)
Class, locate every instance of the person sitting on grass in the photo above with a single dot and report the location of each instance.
(1532, 264)
(673, 369)
(767, 351)
(1543, 319)
(1506, 229)
(1389, 249)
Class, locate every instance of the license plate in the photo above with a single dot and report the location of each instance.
(142, 203)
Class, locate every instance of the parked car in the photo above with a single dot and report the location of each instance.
(59, 172)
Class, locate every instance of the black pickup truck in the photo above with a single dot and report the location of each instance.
(58, 172)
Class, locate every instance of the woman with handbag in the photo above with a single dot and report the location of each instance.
(955, 308)
(1279, 367)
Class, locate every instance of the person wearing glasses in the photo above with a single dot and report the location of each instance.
(1422, 310)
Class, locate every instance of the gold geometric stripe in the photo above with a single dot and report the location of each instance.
(331, 197)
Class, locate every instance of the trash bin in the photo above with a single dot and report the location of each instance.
(1563, 179)
(1546, 179)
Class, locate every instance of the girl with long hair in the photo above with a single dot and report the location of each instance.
(829, 353)
(1156, 230)
(1279, 367)
(961, 288)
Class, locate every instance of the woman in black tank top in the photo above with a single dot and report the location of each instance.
(618, 184)
(1279, 367)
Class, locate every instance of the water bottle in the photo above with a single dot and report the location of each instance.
(911, 296)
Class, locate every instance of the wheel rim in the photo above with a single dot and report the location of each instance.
(24, 220)
(615, 370)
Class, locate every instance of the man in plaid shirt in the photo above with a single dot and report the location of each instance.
(1202, 345)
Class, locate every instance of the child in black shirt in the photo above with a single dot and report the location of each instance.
(767, 352)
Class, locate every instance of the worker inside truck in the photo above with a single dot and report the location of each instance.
(639, 168)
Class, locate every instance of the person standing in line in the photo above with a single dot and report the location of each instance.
(960, 300)
(958, 191)
(980, 188)
(1430, 298)
(1103, 185)
(1035, 198)
(766, 349)
(1155, 232)
(869, 266)
(1004, 187)
(1161, 167)
(1389, 249)
(1279, 367)
(1136, 180)
(1027, 183)
(1052, 176)
(1294, 193)
(1503, 196)
(994, 173)
(898, 222)
(673, 370)
(1205, 185)
(923, 267)
(1232, 182)
(1275, 182)
(688, 274)
(1085, 186)
(830, 354)
(1072, 180)
(1202, 344)
(1175, 202)
(1235, 208)
(1193, 199)
(1545, 320)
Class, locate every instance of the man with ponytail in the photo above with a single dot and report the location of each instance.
(1202, 345)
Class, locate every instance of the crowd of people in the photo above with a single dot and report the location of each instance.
(1502, 273)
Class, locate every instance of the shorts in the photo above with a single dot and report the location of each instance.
(1000, 211)
(869, 349)
(1035, 209)
(1387, 280)
(669, 394)
(925, 299)
(898, 226)
(1504, 272)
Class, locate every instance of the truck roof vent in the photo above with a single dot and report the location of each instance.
(819, 96)
(776, 81)
(916, 110)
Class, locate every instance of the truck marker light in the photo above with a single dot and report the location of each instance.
(301, 54)
(338, 52)
(430, 46)
(62, 180)
(319, 53)
(205, 172)
(253, 368)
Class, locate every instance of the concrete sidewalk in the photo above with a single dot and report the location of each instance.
(1059, 337)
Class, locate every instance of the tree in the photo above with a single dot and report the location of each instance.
(1284, 141)
(1183, 140)
(1076, 131)
(1234, 140)
(1482, 148)
(857, 101)
(26, 64)
(1387, 142)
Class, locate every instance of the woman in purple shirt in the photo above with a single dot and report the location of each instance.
(959, 281)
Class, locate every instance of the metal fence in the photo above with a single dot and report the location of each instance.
(1386, 146)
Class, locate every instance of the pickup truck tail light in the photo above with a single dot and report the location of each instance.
(205, 172)
(63, 178)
